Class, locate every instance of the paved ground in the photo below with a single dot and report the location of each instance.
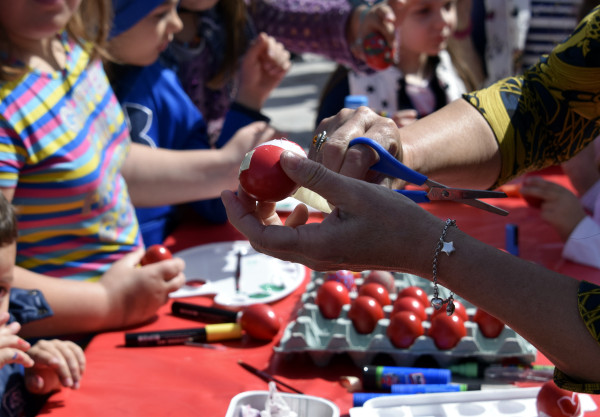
(292, 106)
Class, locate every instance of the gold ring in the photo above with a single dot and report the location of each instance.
(319, 140)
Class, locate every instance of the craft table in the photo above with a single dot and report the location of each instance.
(195, 381)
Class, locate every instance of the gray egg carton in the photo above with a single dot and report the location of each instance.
(323, 338)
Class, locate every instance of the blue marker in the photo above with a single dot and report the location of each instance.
(383, 377)
(359, 398)
(512, 239)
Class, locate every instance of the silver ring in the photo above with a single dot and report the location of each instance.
(319, 140)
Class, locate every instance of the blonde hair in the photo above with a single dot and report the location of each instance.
(89, 26)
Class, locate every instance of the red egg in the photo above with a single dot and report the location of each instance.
(261, 175)
(365, 312)
(378, 54)
(446, 331)
(553, 401)
(260, 322)
(385, 278)
(377, 291)
(410, 304)
(343, 276)
(416, 292)
(405, 327)
(459, 310)
(331, 297)
(155, 253)
(488, 325)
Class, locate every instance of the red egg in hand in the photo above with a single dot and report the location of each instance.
(377, 291)
(261, 175)
(155, 253)
(260, 322)
(365, 312)
(446, 331)
(553, 401)
(488, 325)
(378, 54)
(331, 297)
(405, 327)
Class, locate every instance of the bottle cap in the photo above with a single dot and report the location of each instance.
(354, 102)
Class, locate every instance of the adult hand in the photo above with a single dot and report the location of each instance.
(560, 207)
(58, 363)
(355, 162)
(135, 293)
(371, 226)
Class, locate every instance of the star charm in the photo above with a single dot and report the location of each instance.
(448, 248)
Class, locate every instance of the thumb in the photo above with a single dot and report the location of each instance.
(258, 46)
(315, 177)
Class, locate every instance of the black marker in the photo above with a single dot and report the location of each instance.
(209, 314)
(208, 333)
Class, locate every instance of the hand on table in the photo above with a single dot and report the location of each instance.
(560, 207)
(364, 212)
(57, 363)
(135, 293)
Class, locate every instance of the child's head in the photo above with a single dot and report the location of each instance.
(427, 26)
(24, 24)
(8, 249)
(142, 29)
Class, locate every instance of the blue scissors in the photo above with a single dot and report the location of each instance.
(390, 166)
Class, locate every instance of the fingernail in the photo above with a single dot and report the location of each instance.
(68, 382)
(291, 159)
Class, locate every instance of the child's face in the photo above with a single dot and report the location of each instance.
(428, 25)
(142, 44)
(7, 266)
(25, 21)
(198, 5)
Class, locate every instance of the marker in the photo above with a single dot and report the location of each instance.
(198, 312)
(208, 333)
(512, 239)
(359, 398)
(383, 377)
(504, 373)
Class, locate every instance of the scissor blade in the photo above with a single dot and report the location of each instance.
(448, 193)
(484, 206)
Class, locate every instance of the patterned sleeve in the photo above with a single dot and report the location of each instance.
(314, 26)
(588, 299)
(551, 112)
(12, 153)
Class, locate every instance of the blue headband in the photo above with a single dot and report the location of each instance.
(128, 12)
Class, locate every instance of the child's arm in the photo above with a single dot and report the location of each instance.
(263, 67)
(57, 363)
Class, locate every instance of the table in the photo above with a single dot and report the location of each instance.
(193, 381)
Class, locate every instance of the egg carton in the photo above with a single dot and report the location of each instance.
(323, 338)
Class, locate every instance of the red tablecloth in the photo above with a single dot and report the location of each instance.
(193, 381)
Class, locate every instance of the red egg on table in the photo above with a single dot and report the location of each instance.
(330, 298)
(260, 322)
(365, 312)
(459, 310)
(488, 325)
(410, 304)
(155, 253)
(553, 401)
(404, 328)
(261, 175)
(385, 278)
(446, 331)
(377, 291)
(416, 292)
(347, 278)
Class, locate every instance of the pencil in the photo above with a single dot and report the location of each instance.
(266, 376)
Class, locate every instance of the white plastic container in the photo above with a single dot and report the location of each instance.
(304, 405)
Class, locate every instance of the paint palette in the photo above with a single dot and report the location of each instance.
(210, 270)
(323, 338)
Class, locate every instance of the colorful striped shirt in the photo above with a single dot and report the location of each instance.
(63, 141)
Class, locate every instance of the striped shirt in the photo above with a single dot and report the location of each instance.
(63, 141)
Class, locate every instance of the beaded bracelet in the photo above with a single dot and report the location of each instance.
(447, 248)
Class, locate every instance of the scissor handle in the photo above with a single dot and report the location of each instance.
(388, 164)
(415, 195)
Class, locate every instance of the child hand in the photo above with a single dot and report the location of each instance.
(12, 347)
(263, 67)
(57, 363)
(560, 207)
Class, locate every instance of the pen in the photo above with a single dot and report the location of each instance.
(266, 376)
(238, 271)
(198, 312)
(208, 333)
